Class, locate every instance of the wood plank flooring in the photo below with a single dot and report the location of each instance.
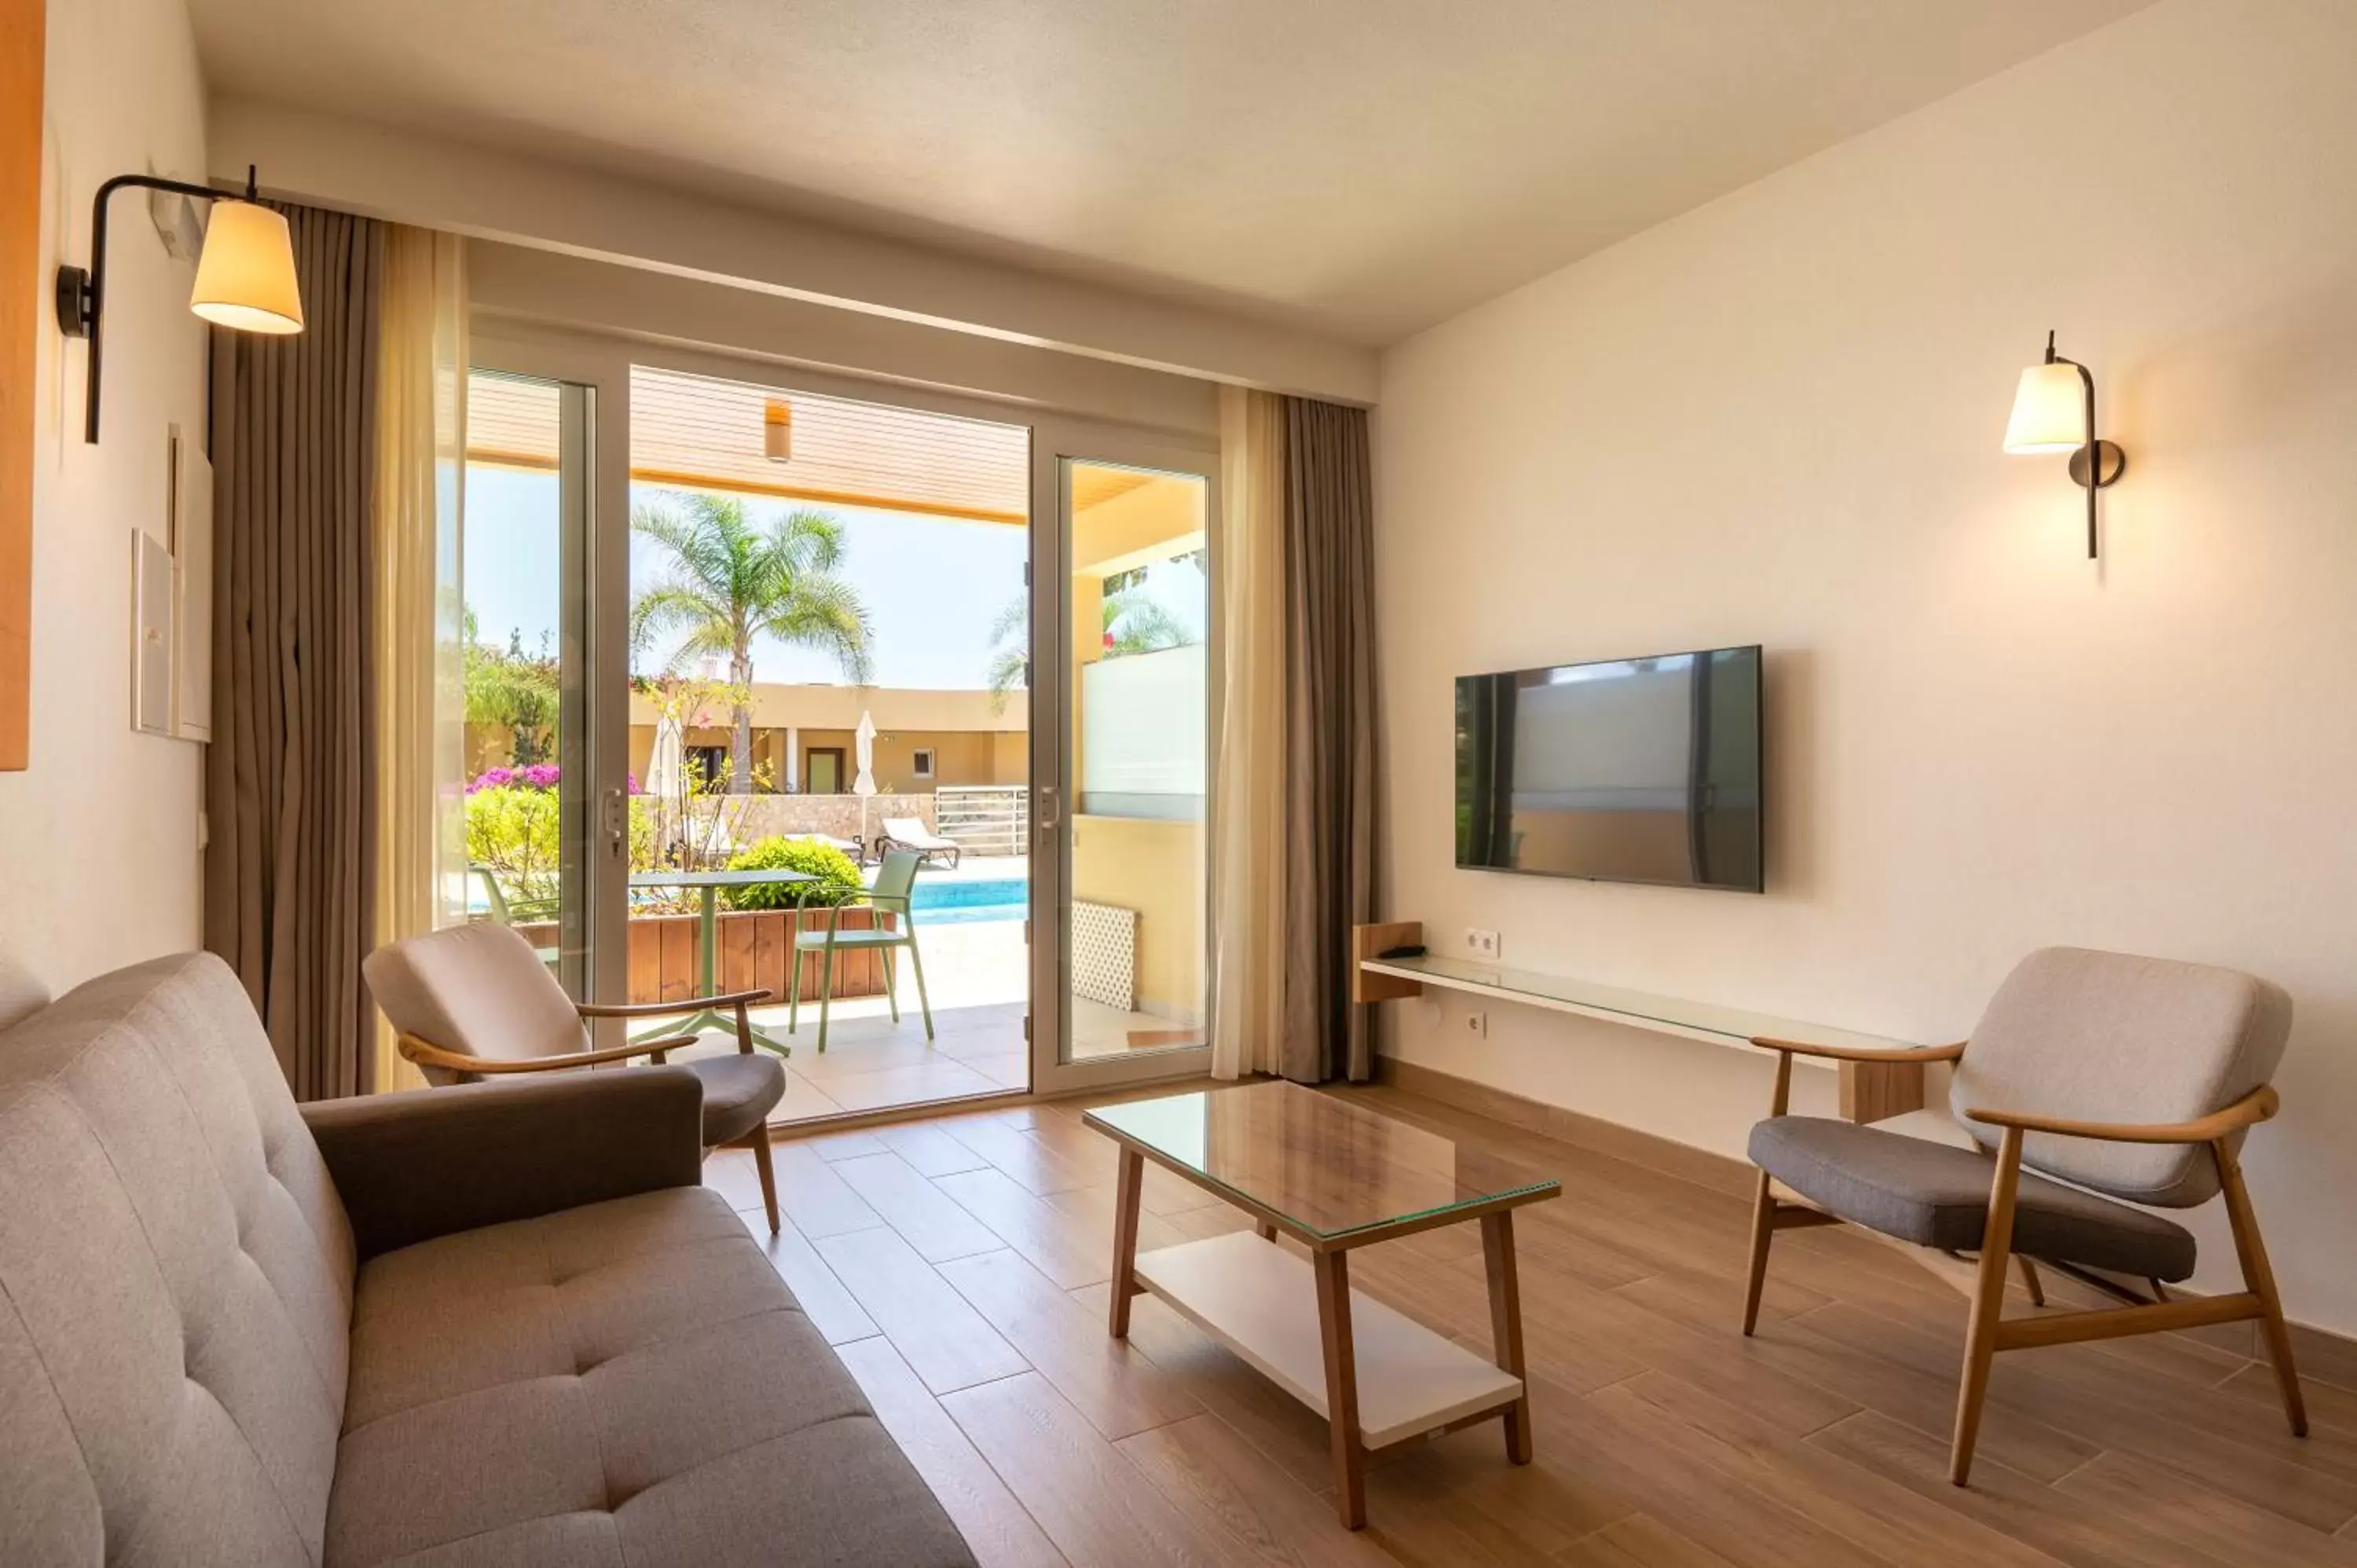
(959, 1266)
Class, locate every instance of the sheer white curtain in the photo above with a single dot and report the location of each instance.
(421, 484)
(1248, 850)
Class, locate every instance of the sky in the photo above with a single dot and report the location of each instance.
(934, 585)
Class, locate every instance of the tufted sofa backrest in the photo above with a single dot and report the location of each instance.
(176, 1282)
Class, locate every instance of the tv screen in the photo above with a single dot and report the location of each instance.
(1623, 770)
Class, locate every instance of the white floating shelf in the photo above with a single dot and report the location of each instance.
(1260, 1300)
(1704, 1021)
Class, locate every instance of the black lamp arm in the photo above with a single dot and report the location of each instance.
(82, 293)
(2093, 449)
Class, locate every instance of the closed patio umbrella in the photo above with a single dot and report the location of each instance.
(667, 766)
(864, 786)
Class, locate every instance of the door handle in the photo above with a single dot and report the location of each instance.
(1050, 807)
(616, 813)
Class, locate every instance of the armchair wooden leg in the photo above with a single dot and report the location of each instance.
(1988, 1306)
(1764, 1231)
(2259, 1278)
(1763, 1203)
(759, 1140)
(2029, 1281)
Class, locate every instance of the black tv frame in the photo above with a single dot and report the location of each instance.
(1759, 727)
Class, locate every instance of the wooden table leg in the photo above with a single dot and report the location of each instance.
(1333, 1271)
(1506, 1325)
(1125, 1238)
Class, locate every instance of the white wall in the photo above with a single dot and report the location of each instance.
(546, 288)
(1777, 419)
(99, 857)
(483, 194)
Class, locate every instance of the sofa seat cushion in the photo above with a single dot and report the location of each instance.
(628, 1382)
(1937, 1195)
(739, 1092)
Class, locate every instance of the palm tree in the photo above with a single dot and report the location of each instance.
(511, 691)
(731, 580)
(1133, 624)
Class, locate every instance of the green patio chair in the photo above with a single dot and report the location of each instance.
(890, 895)
(506, 911)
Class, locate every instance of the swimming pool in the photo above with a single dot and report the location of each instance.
(948, 901)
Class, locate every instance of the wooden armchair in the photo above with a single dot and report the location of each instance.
(476, 1002)
(2131, 1079)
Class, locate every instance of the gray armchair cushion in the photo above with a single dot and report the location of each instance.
(479, 991)
(1937, 1195)
(430, 1162)
(739, 1093)
(2102, 1036)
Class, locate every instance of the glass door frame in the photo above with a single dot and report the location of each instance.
(602, 362)
(596, 836)
(1057, 442)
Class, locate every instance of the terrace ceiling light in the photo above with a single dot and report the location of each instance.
(777, 430)
(246, 276)
(2055, 411)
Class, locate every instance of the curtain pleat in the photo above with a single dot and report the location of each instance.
(290, 780)
(1329, 735)
(1249, 814)
(421, 417)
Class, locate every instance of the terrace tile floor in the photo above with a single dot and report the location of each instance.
(980, 984)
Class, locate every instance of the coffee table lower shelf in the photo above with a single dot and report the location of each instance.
(1260, 1300)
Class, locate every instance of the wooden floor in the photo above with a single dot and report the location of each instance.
(959, 1266)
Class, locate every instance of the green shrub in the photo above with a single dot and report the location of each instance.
(838, 879)
(513, 831)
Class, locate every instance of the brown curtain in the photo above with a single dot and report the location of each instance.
(290, 868)
(1331, 736)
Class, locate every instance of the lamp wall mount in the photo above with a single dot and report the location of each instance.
(81, 292)
(2047, 418)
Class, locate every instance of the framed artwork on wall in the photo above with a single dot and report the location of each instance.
(21, 296)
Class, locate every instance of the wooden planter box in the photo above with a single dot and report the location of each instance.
(753, 949)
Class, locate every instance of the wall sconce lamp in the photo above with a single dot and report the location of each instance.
(778, 431)
(245, 276)
(2055, 411)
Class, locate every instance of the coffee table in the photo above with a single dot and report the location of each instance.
(1334, 1176)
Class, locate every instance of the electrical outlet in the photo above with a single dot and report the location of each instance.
(1481, 944)
(1477, 1024)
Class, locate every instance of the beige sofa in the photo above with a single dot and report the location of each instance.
(499, 1324)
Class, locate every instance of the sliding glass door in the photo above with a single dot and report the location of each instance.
(723, 619)
(1128, 648)
(528, 824)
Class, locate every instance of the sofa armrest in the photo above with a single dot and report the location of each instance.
(429, 1161)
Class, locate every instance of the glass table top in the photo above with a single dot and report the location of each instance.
(1331, 1167)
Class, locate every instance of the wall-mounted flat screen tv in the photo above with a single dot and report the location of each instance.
(1622, 770)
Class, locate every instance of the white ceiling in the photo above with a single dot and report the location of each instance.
(1362, 167)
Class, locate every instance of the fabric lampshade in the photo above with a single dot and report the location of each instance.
(245, 278)
(2049, 411)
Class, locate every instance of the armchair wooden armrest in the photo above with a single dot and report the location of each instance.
(426, 1054)
(684, 1005)
(2254, 1108)
(1861, 1053)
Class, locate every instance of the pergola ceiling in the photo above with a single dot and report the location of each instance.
(706, 434)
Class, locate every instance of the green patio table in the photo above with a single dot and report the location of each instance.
(708, 941)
